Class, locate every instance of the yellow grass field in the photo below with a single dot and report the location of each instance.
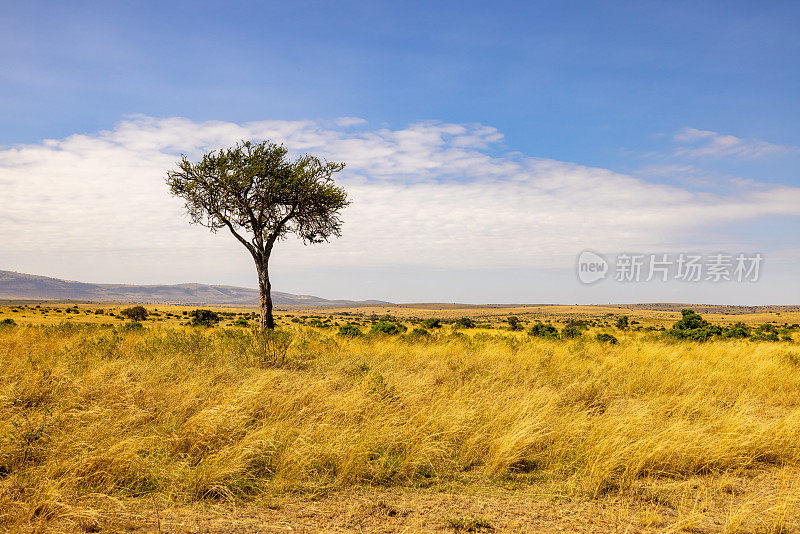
(172, 428)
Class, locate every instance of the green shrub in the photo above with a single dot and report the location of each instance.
(419, 333)
(766, 332)
(206, 318)
(693, 327)
(607, 338)
(385, 327)
(465, 322)
(540, 329)
(133, 325)
(690, 321)
(513, 322)
(349, 330)
(432, 323)
(738, 331)
(622, 322)
(241, 321)
(574, 328)
(8, 322)
(571, 332)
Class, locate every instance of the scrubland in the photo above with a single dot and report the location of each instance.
(176, 429)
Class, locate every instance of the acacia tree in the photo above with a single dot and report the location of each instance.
(261, 197)
(136, 313)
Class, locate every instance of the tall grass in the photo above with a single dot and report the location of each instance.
(202, 414)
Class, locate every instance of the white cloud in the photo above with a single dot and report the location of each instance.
(429, 195)
(350, 121)
(706, 143)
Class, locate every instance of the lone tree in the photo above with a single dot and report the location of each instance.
(261, 197)
(136, 313)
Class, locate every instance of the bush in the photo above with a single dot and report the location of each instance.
(513, 322)
(206, 318)
(420, 333)
(693, 327)
(622, 322)
(8, 322)
(766, 332)
(570, 332)
(136, 313)
(738, 331)
(432, 323)
(465, 322)
(539, 329)
(349, 330)
(133, 325)
(385, 327)
(690, 321)
(607, 338)
(241, 321)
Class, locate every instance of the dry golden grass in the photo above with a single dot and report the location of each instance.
(101, 427)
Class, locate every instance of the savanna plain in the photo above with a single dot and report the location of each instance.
(399, 419)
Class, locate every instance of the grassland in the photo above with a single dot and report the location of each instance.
(180, 429)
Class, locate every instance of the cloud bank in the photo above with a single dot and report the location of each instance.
(432, 194)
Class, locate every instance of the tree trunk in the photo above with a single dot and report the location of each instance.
(264, 289)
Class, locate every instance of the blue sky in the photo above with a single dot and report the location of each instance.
(700, 97)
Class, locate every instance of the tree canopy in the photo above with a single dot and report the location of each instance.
(253, 188)
(135, 313)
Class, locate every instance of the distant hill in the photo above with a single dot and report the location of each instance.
(19, 286)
